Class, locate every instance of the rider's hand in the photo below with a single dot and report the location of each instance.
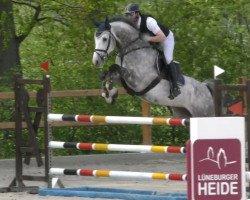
(145, 37)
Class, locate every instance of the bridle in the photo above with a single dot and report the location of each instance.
(123, 52)
(105, 51)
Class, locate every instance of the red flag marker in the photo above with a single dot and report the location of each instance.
(45, 66)
(237, 108)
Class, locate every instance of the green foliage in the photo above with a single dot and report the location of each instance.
(5, 27)
(206, 33)
(7, 143)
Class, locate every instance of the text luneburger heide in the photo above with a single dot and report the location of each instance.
(218, 184)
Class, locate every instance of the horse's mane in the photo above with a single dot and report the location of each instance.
(122, 19)
(102, 26)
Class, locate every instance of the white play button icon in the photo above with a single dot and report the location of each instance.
(217, 71)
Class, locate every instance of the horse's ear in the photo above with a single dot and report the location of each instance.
(107, 24)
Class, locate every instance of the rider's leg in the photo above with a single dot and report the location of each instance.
(176, 90)
(168, 48)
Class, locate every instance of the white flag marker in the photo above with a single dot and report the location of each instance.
(217, 71)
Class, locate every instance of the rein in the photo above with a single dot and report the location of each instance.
(123, 52)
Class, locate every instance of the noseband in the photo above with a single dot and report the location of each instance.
(97, 51)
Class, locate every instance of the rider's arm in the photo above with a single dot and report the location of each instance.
(159, 37)
(154, 27)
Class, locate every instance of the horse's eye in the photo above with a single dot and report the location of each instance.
(104, 39)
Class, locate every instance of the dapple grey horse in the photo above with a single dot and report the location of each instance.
(136, 69)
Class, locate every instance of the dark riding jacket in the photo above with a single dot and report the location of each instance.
(144, 29)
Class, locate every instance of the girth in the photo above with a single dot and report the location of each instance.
(131, 91)
(142, 92)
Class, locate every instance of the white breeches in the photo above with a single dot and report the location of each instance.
(168, 47)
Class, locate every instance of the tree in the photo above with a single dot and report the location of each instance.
(9, 45)
(12, 36)
(40, 14)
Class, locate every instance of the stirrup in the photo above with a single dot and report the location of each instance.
(174, 92)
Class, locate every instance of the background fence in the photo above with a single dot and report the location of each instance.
(145, 109)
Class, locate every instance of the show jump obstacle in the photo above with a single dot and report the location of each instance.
(120, 119)
(119, 174)
(117, 147)
(215, 170)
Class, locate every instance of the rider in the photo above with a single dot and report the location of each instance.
(158, 34)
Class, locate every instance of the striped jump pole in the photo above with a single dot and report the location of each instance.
(119, 119)
(118, 174)
(116, 147)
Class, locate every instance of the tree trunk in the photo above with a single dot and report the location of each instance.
(9, 47)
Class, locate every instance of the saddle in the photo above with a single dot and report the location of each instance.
(163, 68)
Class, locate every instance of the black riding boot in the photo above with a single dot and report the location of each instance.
(174, 89)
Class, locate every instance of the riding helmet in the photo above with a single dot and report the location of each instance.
(132, 7)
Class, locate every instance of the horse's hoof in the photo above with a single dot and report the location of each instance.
(103, 94)
(113, 92)
(109, 100)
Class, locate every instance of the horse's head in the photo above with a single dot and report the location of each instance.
(105, 43)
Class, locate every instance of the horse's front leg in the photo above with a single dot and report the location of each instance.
(106, 94)
(109, 92)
